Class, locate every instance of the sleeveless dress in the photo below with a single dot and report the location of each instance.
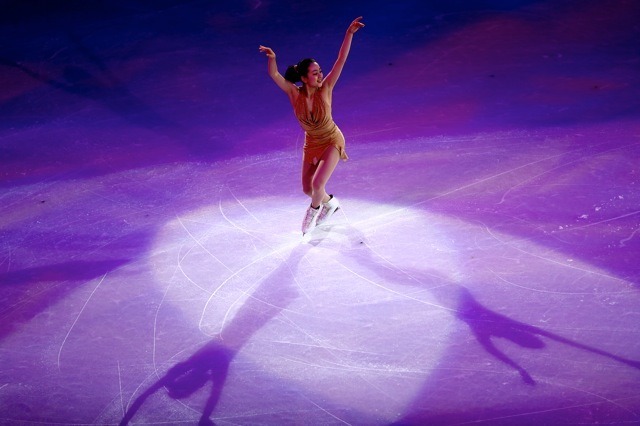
(321, 132)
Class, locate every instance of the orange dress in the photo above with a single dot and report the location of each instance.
(320, 131)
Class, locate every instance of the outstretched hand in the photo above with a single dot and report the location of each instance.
(268, 51)
(355, 25)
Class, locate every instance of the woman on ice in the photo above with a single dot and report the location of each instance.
(324, 143)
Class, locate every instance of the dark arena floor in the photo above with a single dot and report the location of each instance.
(483, 269)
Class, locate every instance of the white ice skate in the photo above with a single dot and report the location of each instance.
(328, 209)
(310, 219)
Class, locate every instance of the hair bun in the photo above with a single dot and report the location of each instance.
(291, 74)
(295, 72)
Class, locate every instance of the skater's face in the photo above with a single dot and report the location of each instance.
(314, 76)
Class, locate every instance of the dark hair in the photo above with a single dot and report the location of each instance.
(294, 72)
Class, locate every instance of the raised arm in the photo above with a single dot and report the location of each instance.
(334, 74)
(272, 68)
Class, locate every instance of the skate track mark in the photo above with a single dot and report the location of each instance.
(78, 317)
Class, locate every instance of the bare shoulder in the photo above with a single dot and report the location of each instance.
(326, 92)
(293, 93)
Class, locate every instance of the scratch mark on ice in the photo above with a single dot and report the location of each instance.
(569, 407)
(407, 296)
(327, 347)
(607, 220)
(200, 244)
(120, 387)
(307, 345)
(625, 240)
(155, 329)
(508, 244)
(78, 317)
(184, 273)
(504, 196)
(325, 410)
(235, 302)
(576, 293)
(242, 205)
(275, 252)
(232, 276)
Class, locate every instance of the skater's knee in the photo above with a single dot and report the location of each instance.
(307, 187)
(317, 185)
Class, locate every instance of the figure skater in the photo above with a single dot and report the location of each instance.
(324, 143)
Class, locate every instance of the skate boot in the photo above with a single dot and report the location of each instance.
(310, 219)
(328, 209)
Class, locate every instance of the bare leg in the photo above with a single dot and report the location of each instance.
(326, 166)
(318, 175)
(308, 170)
